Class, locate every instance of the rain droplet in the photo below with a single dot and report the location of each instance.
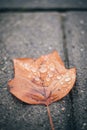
(52, 67)
(58, 77)
(37, 78)
(67, 79)
(47, 79)
(26, 66)
(33, 69)
(43, 69)
(50, 75)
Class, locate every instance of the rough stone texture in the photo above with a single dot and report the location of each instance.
(76, 39)
(43, 4)
(29, 35)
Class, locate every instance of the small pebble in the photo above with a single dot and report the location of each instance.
(5, 88)
(68, 115)
(81, 22)
(3, 68)
(50, 48)
(63, 108)
(82, 32)
(81, 91)
(84, 124)
(10, 107)
(81, 49)
(5, 58)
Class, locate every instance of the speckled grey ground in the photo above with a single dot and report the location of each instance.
(32, 35)
(76, 38)
(43, 4)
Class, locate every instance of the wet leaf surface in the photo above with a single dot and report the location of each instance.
(43, 80)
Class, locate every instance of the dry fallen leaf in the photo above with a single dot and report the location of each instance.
(41, 81)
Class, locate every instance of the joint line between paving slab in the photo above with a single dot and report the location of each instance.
(26, 9)
(67, 65)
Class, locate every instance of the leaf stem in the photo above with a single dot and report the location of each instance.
(50, 118)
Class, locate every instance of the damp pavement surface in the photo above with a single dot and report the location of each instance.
(27, 34)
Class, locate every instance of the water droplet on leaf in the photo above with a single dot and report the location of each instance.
(33, 69)
(50, 75)
(26, 66)
(47, 79)
(67, 79)
(58, 77)
(52, 67)
(37, 78)
(43, 69)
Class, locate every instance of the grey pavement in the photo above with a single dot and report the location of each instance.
(76, 38)
(43, 4)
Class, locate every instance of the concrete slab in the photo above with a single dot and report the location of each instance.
(76, 39)
(29, 35)
(43, 4)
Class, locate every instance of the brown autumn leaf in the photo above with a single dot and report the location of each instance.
(41, 81)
